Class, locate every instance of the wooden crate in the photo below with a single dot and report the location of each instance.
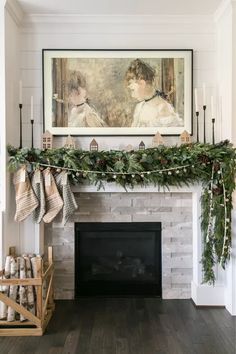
(34, 325)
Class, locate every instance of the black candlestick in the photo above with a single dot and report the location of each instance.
(20, 106)
(197, 115)
(204, 123)
(32, 133)
(213, 131)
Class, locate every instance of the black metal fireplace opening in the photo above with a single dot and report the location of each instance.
(118, 259)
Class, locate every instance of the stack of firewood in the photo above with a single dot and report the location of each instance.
(21, 267)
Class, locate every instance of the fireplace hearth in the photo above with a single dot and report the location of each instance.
(118, 259)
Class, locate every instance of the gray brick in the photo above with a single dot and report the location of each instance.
(64, 282)
(180, 248)
(63, 294)
(181, 279)
(94, 208)
(184, 287)
(65, 267)
(105, 217)
(61, 252)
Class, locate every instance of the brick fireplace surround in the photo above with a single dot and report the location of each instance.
(177, 209)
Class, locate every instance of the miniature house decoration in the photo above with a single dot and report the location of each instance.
(185, 137)
(157, 140)
(93, 145)
(47, 140)
(142, 146)
(70, 142)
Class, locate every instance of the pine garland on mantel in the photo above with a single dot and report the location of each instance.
(212, 165)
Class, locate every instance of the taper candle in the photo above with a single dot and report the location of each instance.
(212, 107)
(32, 108)
(213, 131)
(204, 94)
(20, 92)
(196, 101)
(197, 116)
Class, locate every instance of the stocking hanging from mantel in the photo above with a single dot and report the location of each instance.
(26, 201)
(38, 187)
(54, 202)
(67, 195)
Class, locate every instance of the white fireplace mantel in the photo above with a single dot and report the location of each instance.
(222, 293)
(115, 188)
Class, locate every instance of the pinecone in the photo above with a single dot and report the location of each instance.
(203, 158)
(163, 161)
(216, 166)
(101, 163)
(217, 190)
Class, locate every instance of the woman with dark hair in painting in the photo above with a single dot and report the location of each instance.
(82, 114)
(153, 110)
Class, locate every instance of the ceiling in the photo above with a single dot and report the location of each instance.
(120, 7)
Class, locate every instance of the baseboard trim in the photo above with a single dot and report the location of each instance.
(208, 295)
(207, 306)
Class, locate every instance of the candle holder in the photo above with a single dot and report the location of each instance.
(32, 133)
(213, 131)
(20, 107)
(197, 115)
(204, 123)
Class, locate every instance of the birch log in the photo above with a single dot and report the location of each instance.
(34, 272)
(17, 259)
(13, 289)
(4, 288)
(22, 288)
(30, 289)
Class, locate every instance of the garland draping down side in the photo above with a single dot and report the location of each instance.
(214, 166)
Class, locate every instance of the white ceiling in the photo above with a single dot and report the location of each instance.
(120, 7)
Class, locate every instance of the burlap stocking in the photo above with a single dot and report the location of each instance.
(54, 202)
(26, 201)
(38, 187)
(67, 195)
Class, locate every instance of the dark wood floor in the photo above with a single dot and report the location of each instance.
(130, 326)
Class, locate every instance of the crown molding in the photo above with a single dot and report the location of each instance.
(115, 19)
(15, 11)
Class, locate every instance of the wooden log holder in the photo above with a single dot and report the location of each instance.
(34, 325)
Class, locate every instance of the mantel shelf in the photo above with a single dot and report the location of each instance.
(115, 188)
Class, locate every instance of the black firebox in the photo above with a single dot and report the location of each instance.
(118, 259)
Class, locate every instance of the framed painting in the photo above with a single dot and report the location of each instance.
(117, 92)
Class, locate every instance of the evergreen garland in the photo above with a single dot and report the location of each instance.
(212, 165)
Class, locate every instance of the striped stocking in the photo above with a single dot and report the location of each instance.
(38, 187)
(67, 195)
(54, 202)
(26, 201)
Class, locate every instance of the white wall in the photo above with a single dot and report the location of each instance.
(89, 32)
(224, 70)
(11, 229)
(226, 54)
(2, 126)
(234, 72)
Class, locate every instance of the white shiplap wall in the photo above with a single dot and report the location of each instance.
(110, 32)
(11, 228)
(224, 76)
